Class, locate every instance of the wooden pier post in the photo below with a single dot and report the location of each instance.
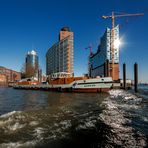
(106, 68)
(124, 76)
(136, 77)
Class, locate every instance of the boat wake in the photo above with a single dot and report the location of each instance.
(111, 123)
(23, 129)
(117, 114)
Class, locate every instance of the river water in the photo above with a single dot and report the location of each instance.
(68, 120)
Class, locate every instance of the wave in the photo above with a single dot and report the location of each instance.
(18, 144)
(115, 116)
(108, 128)
(9, 114)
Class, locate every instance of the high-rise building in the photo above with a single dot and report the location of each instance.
(103, 56)
(31, 64)
(59, 58)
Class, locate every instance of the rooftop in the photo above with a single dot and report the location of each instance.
(2, 67)
(66, 29)
(32, 52)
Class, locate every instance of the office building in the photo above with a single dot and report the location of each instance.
(59, 58)
(103, 57)
(31, 64)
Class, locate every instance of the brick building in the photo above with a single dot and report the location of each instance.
(8, 76)
(3, 80)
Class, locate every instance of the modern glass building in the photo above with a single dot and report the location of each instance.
(97, 61)
(59, 58)
(32, 65)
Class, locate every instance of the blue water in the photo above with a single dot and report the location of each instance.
(51, 119)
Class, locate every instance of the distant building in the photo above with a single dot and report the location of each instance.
(97, 61)
(3, 80)
(8, 76)
(31, 64)
(59, 58)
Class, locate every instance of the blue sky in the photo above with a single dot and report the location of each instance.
(29, 24)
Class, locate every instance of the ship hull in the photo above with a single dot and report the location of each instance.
(79, 90)
(93, 90)
(86, 86)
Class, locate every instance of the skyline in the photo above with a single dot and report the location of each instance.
(35, 24)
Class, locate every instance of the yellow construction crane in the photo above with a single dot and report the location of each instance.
(112, 17)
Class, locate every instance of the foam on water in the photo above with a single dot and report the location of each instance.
(65, 124)
(18, 144)
(33, 128)
(14, 127)
(33, 123)
(11, 124)
(9, 114)
(87, 124)
(38, 133)
(11, 121)
(145, 119)
(114, 116)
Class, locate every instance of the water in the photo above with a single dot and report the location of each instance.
(50, 119)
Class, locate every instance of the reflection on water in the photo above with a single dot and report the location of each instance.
(42, 118)
(52, 119)
(20, 100)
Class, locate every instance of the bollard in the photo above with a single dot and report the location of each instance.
(124, 76)
(136, 77)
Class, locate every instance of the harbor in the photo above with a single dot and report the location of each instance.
(73, 74)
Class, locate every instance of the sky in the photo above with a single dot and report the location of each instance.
(35, 24)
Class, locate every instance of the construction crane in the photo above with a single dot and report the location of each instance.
(112, 17)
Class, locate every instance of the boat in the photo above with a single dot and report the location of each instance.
(73, 84)
(93, 85)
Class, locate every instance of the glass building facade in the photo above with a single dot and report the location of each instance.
(97, 60)
(32, 64)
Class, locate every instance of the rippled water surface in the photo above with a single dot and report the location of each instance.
(50, 119)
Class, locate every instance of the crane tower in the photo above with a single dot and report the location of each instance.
(113, 17)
